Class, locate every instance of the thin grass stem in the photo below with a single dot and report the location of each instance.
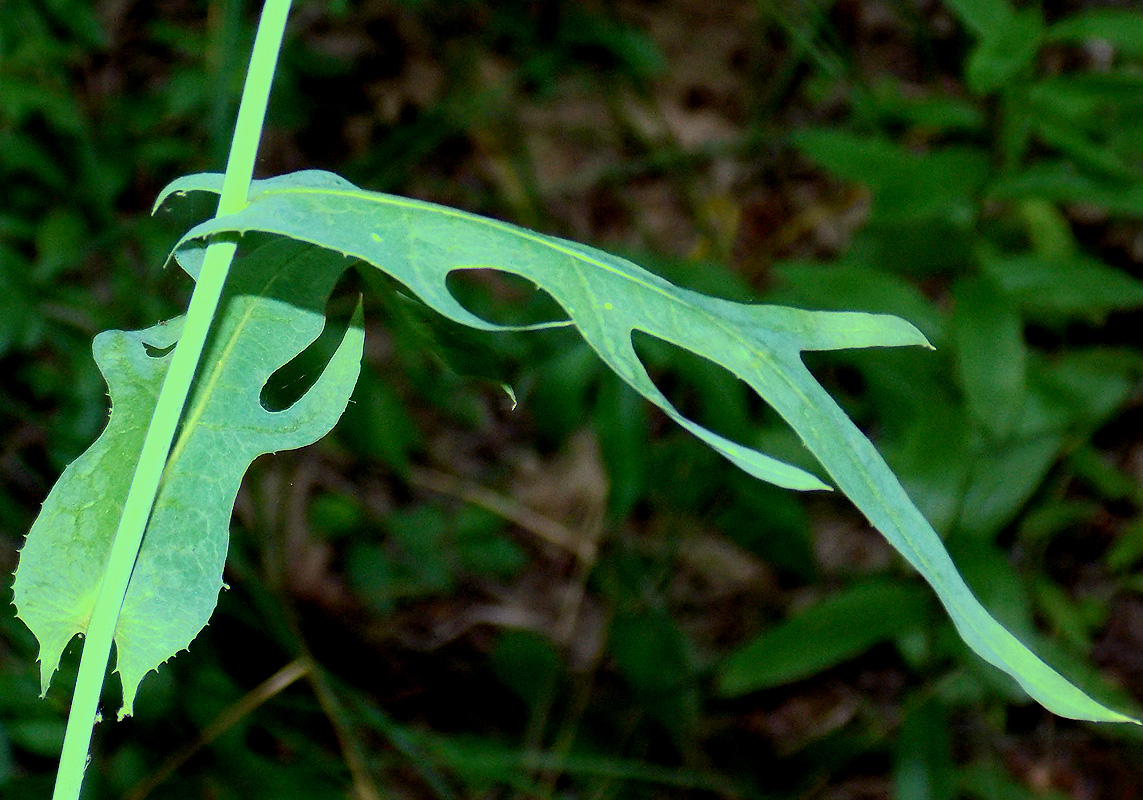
(168, 408)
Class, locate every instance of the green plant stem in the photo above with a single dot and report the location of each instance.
(169, 407)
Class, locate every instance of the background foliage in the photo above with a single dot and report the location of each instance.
(569, 595)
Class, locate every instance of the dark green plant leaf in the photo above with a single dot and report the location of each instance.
(1121, 26)
(272, 309)
(929, 112)
(996, 582)
(482, 761)
(651, 652)
(620, 422)
(990, 354)
(1008, 40)
(984, 18)
(1005, 51)
(1069, 618)
(1092, 384)
(1085, 98)
(1128, 549)
(1064, 182)
(42, 736)
(1059, 289)
(988, 781)
(1067, 397)
(1002, 479)
(527, 663)
(923, 768)
(1084, 149)
(933, 459)
(906, 186)
(1049, 231)
(834, 630)
(376, 424)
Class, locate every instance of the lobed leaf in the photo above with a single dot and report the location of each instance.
(273, 307)
(607, 298)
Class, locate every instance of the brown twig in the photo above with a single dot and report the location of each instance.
(224, 721)
(542, 527)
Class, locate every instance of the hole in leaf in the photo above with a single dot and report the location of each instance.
(158, 352)
(503, 297)
(292, 380)
(720, 401)
(716, 398)
(703, 390)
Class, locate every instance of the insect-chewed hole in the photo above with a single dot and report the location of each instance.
(503, 297)
(292, 380)
(704, 390)
(158, 352)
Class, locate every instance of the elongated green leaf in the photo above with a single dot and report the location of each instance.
(1063, 182)
(421, 243)
(273, 308)
(1079, 98)
(856, 286)
(1003, 478)
(836, 629)
(1057, 289)
(1084, 149)
(923, 767)
(933, 459)
(990, 352)
(1009, 40)
(607, 298)
(938, 112)
(983, 17)
(1004, 52)
(906, 186)
(1121, 26)
(483, 760)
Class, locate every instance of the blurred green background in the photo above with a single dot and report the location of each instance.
(454, 596)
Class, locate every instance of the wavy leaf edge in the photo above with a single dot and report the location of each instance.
(292, 205)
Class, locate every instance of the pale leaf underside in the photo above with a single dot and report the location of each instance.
(272, 309)
(607, 298)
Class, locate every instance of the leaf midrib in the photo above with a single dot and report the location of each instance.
(506, 227)
(379, 198)
(545, 241)
(197, 410)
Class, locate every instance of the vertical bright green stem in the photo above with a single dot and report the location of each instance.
(169, 407)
